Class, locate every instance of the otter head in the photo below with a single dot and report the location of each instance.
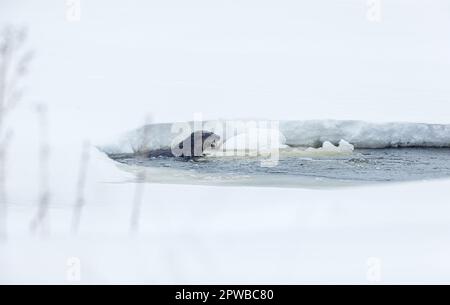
(210, 141)
(198, 142)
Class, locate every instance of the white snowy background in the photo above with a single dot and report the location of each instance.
(124, 61)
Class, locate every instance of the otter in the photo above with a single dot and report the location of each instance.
(191, 148)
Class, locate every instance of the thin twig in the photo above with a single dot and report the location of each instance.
(80, 200)
(41, 219)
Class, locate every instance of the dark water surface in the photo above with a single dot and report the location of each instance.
(364, 165)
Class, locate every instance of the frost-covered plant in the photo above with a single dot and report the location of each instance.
(14, 62)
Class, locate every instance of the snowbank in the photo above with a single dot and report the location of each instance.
(293, 133)
(328, 147)
(258, 140)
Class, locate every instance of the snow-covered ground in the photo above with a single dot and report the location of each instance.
(296, 60)
(206, 234)
(198, 234)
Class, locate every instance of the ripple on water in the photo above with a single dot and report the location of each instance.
(364, 165)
